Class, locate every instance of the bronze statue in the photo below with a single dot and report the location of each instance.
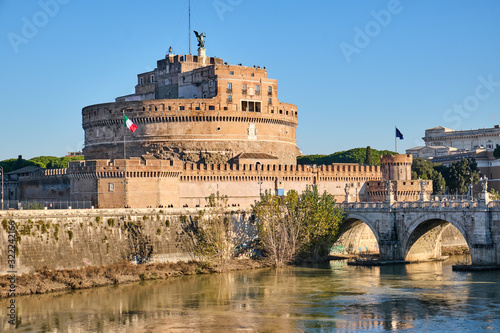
(201, 41)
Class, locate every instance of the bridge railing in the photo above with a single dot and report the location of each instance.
(452, 197)
(409, 205)
(363, 205)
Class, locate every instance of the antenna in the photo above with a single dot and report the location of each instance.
(189, 32)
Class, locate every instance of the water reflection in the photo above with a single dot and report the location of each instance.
(426, 296)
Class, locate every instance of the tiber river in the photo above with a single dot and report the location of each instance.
(320, 298)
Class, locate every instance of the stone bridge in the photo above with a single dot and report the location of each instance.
(413, 230)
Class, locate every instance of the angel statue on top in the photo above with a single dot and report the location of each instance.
(201, 41)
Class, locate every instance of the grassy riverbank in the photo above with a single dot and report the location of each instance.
(46, 281)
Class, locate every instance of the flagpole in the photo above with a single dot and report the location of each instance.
(395, 139)
(124, 149)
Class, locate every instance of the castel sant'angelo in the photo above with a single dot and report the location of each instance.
(204, 126)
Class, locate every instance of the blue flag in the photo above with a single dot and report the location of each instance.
(399, 134)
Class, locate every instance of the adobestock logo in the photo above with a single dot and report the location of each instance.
(30, 28)
(372, 29)
(223, 6)
(483, 91)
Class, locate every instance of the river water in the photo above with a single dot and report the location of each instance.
(317, 298)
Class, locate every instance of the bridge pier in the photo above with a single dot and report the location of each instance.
(483, 254)
(390, 251)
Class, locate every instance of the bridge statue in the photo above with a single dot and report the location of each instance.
(484, 183)
(201, 41)
(423, 184)
(390, 187)
(347, 189)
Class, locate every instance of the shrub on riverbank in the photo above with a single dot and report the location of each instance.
(297, 227)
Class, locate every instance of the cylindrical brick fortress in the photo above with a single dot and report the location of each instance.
(197, 130)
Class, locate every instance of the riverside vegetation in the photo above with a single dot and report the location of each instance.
(290, 229)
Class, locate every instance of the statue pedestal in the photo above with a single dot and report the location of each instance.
(202, 52)
(485, 197)
(390, 198)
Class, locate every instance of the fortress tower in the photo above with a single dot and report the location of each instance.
(196, 109)
(396, 167)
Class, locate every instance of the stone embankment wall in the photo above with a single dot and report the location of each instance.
(60, 239)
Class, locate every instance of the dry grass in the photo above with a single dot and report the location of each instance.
(45, 280)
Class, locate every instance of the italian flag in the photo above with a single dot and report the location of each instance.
(129, 124)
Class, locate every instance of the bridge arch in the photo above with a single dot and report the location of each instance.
(357, 234)
(422, 238)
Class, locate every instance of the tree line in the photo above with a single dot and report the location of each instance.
(452, 179)
(357, 155)
(46, 162)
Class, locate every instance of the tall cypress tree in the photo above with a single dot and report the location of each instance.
(368, 156)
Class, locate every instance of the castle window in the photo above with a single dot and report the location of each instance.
(269, 90)
(218, 128)
(269, 101)
(229, 87)
(141, 81)
(152, 78)
(204, 95)
(250, 106)
(257, 89)
(229, 98)
(253, 74)
(231, 73)
(210, 83)
(169, 108)
(211, 107)
(111, 187)
(244, 88)
(181, 108)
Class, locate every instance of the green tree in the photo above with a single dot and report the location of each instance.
(14, 164)
(460, 175)
(46, 162)
(322, 220)
(425, 169)
(368, 157)
(52, 162)
(297, 226)
(496, 152)
(19, 162)
(356, 155)
(494, 195)
(214, 232)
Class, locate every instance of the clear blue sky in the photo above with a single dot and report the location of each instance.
(353, 71)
